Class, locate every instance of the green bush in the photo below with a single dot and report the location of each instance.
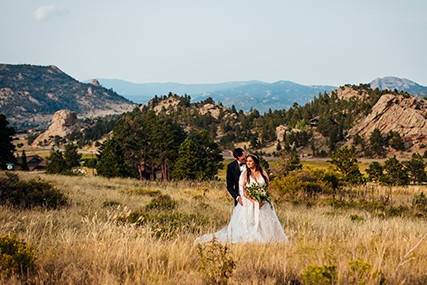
(162, 202)
(16, 257)
(359, 271)
(320, 275)
(304, 184)
(29, 194)
(216, 262)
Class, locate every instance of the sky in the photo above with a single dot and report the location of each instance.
(328, 42)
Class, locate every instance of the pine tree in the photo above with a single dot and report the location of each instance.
(111, 160)
(395, 172)
(278, 146)
(377, 143)
(416, 169)
(24, 163)
(199, 158)
(375, 171)
(6, 146)
(395, 140)
(71, 156)
(345, 161)
(56, 163)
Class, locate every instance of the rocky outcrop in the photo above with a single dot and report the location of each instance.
(63, 123)
(211, 109)
(281, 130)
(406, 115)
(95, 82)
(348, 92)
(169, 105)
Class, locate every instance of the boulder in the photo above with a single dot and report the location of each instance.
(63, 123)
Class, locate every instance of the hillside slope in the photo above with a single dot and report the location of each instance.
(30, 94)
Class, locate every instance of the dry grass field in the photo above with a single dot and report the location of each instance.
(84, 243)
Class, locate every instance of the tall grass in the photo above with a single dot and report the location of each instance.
(85, 244)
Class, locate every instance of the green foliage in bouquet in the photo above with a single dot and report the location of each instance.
(258, 192)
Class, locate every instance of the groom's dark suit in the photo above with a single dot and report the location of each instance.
(233, 175)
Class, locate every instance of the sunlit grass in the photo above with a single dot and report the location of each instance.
(84, 243)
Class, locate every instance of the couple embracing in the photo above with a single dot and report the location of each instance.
(252, 220)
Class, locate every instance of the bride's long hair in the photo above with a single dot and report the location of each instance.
(257, 168)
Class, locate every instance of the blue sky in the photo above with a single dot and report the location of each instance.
(201, 41)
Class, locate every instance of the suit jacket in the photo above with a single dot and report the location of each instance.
(233, 175)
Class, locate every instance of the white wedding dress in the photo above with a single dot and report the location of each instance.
(249, 223)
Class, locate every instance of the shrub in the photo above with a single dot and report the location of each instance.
(320, 275)
(162, 202)
(359, 271)
(16, 257)
(419, 203)
(110, 203)
(305, 184)
(356, 218)
(375, 171)
(28, 194)
(216, 262)
(90, 162)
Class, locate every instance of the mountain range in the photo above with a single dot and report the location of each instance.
(249, 94)
(400, 84)
(30, 94)
(243, 95)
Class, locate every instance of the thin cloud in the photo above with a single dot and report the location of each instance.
(44, 13)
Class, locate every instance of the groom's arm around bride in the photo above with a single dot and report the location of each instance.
(233, 174)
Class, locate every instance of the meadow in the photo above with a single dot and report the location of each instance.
(113, 233)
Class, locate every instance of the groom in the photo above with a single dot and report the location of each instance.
(233, 173)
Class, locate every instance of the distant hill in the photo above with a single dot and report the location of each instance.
(400, 84)
(243, 94)
(30, 94)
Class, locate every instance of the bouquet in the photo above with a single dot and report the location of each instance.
(258, 192)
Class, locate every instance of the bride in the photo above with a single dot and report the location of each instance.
(250, 221)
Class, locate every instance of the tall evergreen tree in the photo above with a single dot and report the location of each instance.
(345, 161)
(395, 172)
(416, 169)
(24, 163)
(111, 160)
(56, 163)
(289, 161)
(71, 156)
(377, 143)
(7, 148)
(199, 158)
(395, 140)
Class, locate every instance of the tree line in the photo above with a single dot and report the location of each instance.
(145, 145)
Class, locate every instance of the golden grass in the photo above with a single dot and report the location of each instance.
(83, 244)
